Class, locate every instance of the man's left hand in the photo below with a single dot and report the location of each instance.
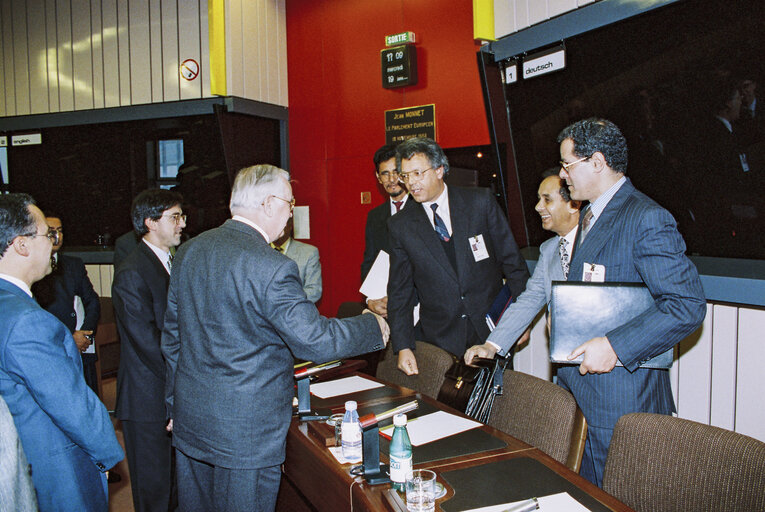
(81, 340)
(599, 356)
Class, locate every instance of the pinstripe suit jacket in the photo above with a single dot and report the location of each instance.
(637, 241)
(521, 313)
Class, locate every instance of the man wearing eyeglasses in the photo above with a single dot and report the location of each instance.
(623, 236)
(139, 294)
(64, 428)
(376, 232)
(450, 254)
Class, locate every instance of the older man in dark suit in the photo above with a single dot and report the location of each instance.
(237, 316)
(624, 236)
(450, 254)
(139, 294)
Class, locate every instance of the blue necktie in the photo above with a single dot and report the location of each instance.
(438, 222)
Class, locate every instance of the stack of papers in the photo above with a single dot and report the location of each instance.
(343, 386)
(562, 502)
(434, 426)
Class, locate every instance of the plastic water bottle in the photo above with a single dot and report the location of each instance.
(400, 453)
(351, 433)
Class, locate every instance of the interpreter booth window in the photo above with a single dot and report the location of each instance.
(170, 160)
(4, 170)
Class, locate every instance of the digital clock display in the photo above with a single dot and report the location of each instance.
(399, 66)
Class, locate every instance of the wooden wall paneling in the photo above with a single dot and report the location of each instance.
(204, 44)
(750, 399)
(695, 375)
(38, 76)
(188, 44)
(20, 57)
(140, 58)
(97, 53)
(51, 57)
(237, 39)
(63, 15)
(110, 53)
(170, 62)
(724, 348)
(122, 65)
(155, 51)
(82, 54)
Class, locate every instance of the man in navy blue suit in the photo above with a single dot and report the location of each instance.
(64, 428)
(624, 236)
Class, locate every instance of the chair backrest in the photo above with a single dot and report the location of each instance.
(662, 463)
(432, 363)
(543, 415)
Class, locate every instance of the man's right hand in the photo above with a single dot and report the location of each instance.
(487, 351)
(384, 328)
(379, 306)
(407, 363)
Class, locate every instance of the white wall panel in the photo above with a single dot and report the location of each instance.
(140, 61)
(724, 355)
(521, 14)
(82, 54)
(750, 398)
(557, 7)
(38, 76)
(537, 11)
(236, 40)
(20, 57)
(110, 48)
(189, 45)
(155, 50)
(97, 57)
(204, 44)
(4, 47)
(63, 44)
(694, 369)
(170, 63)
(504, 18)
(123, 52)
(51, 57)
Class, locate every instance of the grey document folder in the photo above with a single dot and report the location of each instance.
(581, 311)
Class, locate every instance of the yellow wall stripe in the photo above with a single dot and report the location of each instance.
(483, 20)
(216, 14)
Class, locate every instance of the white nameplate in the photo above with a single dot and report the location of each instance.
(26, 140)
(535, 66)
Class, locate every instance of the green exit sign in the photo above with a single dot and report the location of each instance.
(397, 39)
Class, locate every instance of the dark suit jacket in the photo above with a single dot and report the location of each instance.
(376, 237)
(236, 318)
(124, 245)
(637, 241)
(66, 432)
(56, 293)
(139, 295)
(420, 270)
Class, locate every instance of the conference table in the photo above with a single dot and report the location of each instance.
(479, 467)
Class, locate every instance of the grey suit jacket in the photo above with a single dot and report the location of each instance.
(236, 319)
(307, 258)
(17, 492)
(519, 315)
(450, 300)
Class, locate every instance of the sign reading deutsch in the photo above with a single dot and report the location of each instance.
(406, 123)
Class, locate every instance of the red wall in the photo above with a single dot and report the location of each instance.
(337, 105)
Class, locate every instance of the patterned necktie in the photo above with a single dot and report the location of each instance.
(439, 224)
(585, 225)
(277, 247)
(170, 262)
(398, 204)
(564, 261)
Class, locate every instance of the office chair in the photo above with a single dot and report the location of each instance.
(662, 463)
(432, 363)
(543, 415)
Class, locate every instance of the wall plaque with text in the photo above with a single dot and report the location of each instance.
(399, 66)
(409, 122)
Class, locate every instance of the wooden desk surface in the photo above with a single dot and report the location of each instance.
(328, 486)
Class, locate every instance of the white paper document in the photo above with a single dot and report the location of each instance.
(437, 425)
(561, 502)
(375, 286)
(343, 386)
(79, 310)
(337, 453)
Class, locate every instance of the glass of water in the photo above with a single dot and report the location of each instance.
(421, 491)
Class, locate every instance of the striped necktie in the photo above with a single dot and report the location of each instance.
(439, 224)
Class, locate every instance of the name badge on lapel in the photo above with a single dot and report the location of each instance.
(594, 273)
(478, 247)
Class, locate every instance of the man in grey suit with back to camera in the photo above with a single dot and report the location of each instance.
(560, 214)
(307, 258)
(624, 236)
(237, 317)
(450, 253)
(139, 295)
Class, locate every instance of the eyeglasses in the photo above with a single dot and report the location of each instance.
(177, 217)
(388, 175)
(407, 176)
(51, 235)
(291, 202)
(565, 166)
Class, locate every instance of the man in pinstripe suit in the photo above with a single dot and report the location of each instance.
(624, 236)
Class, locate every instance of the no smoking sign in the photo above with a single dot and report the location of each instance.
(189, 69)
